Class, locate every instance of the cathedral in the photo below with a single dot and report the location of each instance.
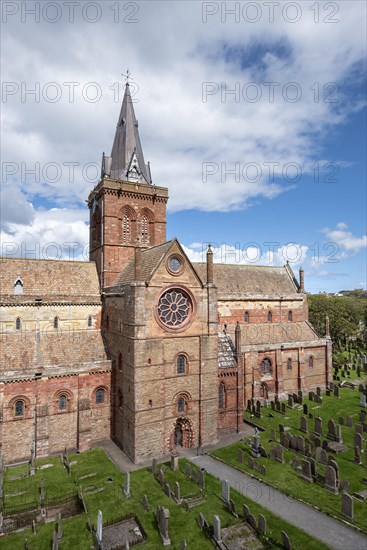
(140, 344)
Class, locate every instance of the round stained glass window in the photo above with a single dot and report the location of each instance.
(174, 308)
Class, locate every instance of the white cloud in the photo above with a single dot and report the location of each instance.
(345, 239)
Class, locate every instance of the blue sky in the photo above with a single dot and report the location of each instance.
(186, 58)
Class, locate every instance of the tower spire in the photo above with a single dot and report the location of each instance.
(127, 160)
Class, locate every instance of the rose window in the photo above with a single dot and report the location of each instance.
(174, 308)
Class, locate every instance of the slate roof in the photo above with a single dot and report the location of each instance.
(52, 280)
(150, 258)
(248, 280)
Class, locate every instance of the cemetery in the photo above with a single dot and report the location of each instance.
(313, 447)
(83, 501)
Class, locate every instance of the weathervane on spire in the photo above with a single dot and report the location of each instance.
(127, 76)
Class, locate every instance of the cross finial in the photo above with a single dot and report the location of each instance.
(127, 76)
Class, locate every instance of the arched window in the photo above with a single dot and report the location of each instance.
(100, 395)
(221, 395)
(120, 362)
(120, 399)
(265, 366)
(63, 402)
(290, 316)
(310, 362)
(289, 363)
(181, 405)
(19, 408)
(18, 324)
(270, 316)
(144, 230)
(18, 286)
(181, 364)
(56, 323)
(89, 321)
(126, 229)
(246, 317)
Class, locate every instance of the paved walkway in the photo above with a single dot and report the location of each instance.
(318, 525)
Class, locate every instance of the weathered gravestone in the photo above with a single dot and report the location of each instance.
(279, 454)
(99, 527)
(305, 409)
(163, 516)
(174, 462)
(318, 426)
(225, 491)
(347, 506)
(203, 523)
(306, 471)
(154, 465)
(245, 511)
(187, 470)
(262, 524)
(240, 456)
(357, 455)
(304, 424)
(263, 470)
(183, 545)
(301, 444)
(251, 520)
(349, 421)
(217, 529)
(358, 428)
(286, 541)
(358, 441)
(167, 489)
(273, 435)
(201, 478)
(144, 502)
(232, 508)
(344, 486)
(290, 401)
(127, 485)
(337, 392)
(177, 492)
(330, 480)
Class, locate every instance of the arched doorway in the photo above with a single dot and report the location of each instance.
(182, 435)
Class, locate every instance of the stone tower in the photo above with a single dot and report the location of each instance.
(125, 207)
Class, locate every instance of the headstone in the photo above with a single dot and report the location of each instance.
(301, 444)
(362, 416)
(294, 462)
(34, 527)
(240, 456)
(347, 506)
(330, 480)
(59, 527)
(344, 486)
(194, 475)
(337, 392)
(201, 478)
(163, 526)
(55, 542)
(358, 441)
(217, 529)
(174, 462)
(225, 490)
(99, 526)
(310, 395)
(325, 444)
(176, 491)
(250, 462)
(358, 428)
(334, 465)
(167, 489)
(281, 428)
(306, 471)
(263, 470)
(290, 401)
(246, 511)
(161, 476)
(283, 408)
(144, 502)
(318, 391)
(313, 463)
(255, 445)
(262, 524)
(273, 435)
(305, 409)
(286, 541)
(349, 421)
(338, 435)
(279, 454)
(331, 430)
(154, 465)
(232, 508)
(187, 469)
(203, 524)
(357, 455)
(251, 520)
(127, 485)
(318, 426)
(272, 453)
(304, 424)
(183, 545)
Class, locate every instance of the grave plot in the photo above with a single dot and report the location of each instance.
(313, 448)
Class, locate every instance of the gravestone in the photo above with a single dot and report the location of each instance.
(176, 491)
(232, 508)
(304, 424)
(174, 462)
(318, 391)
(318, 451)
(357, 455)
(362, 416)
(183, 545)
(279, 454)
(262, 524)
(255, 445)
(59, 527)
(201, 478)
(334, 465)
(305, 409)
(286, 541)
(294, 462)
(240, 456)
(187, 470)
(301, 444)
(283, 408)
(338, 435)
(318, 426)
(144, 502)
(245, 511)
(282, 439)
(127, 485)
(167, 489)
(164, 516)
(263, 470)
(161, 476)
(362, 402)
(217, 529)
(194, 475)
(225, 490)
(251, 520)
(55, 542)
(358, 428)
(344, 486)
(358, 441)
(337, 392)
(203, 524)
(272, 405)
(273, 435)
(250, 462)
(99, 526)
(347, 506)
(306, 471)
(349, 421)
(330, 480)
(154, 465)
(331, 430)
(290, 401)
(313, 463)
(256, 466)
(272, 453)
(281, 428)
(310, 395)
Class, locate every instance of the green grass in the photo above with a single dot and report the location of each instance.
(113, 504)
(285, 478)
